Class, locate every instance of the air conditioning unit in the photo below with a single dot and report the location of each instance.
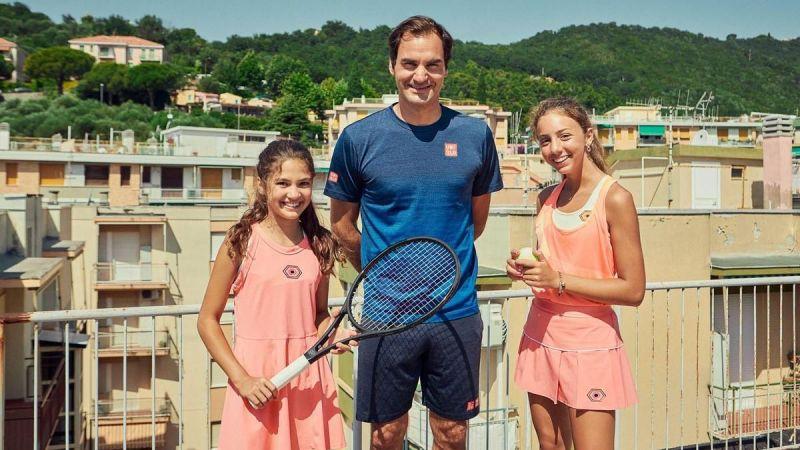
(149, 295)
(495, 328)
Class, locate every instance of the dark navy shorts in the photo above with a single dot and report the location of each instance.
(444, 357)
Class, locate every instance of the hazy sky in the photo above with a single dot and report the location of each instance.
(479, 20)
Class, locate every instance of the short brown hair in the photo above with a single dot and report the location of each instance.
(419, 26)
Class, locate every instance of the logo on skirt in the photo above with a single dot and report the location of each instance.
(596, 395)
(292, 272)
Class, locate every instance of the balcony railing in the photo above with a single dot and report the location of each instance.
(116, 274)
(113, 344)
(193, 195)
(145, 424)
(708, 358)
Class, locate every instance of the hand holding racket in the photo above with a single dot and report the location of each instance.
(400, 288)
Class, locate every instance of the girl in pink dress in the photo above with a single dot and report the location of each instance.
(277, 260)
(571, 360)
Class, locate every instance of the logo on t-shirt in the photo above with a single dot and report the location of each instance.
(333, 177)
(596, 395)
(451, 149)
(292, 272)
(472, 404)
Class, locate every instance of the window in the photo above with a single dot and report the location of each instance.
(125, 175)
(11, 174)
(215, 426)
(217, 238)
(51, 174)
(146, 174)
(96, 175)
(236, 174)
(737, 172)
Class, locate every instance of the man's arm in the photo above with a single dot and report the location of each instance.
(344, 216)
(480, 213)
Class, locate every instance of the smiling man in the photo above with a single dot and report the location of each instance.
(417, 168)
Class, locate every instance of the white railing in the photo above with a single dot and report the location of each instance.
(165, 195)
(134, 340)
(122, 272)
(708, 358)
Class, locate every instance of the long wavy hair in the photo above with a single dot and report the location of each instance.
(572, 109)
(270, 160)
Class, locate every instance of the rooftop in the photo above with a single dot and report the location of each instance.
(116, 40)
(6, 45)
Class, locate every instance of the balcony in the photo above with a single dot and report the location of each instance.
(139, 343)
(708, 358)
(120, 276)
(136, 422)
(161, 196)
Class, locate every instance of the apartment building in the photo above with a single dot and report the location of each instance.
(39, 272)
(129, 50)
(631, 127)
(355, 109)
(15, 56)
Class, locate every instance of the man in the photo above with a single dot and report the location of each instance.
(417, 168)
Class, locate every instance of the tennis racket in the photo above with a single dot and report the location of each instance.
(401, 287)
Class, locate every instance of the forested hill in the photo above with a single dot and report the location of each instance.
(601, 64)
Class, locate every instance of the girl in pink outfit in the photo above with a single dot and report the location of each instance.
(571, 360)
(277, 260)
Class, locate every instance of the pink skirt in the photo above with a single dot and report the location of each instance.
(305, 416)
(574, 355)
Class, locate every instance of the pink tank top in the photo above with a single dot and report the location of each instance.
(275, 289)
(583, 252)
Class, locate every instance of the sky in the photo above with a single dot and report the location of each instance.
(485, 21)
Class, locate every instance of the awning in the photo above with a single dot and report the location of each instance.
(605, 126)
(737, 265)
(651, 130)
(796, 152)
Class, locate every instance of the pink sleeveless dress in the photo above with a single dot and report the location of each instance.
(274, 309)
(571, 350)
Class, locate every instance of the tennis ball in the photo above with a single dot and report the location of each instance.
(527, 253)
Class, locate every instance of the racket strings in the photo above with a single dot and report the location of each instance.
(404, 286)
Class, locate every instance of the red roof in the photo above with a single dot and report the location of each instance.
(6, 45)
(116, 40)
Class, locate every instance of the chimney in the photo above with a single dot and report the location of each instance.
(778, 132)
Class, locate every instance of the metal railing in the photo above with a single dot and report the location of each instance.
(694, 348)
(108, 273)
(136, 340)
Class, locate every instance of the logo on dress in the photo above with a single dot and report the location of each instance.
(596, 395)
(451, 149)
(292, 272)
(585, 215)
(333, 177)
(472, 404)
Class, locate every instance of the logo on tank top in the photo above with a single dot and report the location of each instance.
(472, 404)
(292, 272)
(333, 177)
(596, 395)
(451, 149)
(585, 215)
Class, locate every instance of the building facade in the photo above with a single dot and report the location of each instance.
(128, 50)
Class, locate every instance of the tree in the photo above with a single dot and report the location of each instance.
(151, 28)
(154, 78)
(58, 64)
(6, 69)
(249, 72)
(279, 68)
(333, 93)
(114, 78)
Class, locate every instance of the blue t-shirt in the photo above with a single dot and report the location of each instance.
(418, 181)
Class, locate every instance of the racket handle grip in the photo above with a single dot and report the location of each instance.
(286, 375)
